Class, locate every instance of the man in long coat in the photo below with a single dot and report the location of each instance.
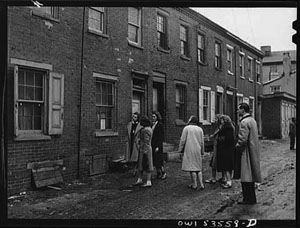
(248, 146)
(132, 146)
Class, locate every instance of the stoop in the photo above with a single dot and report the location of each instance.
(171, 152)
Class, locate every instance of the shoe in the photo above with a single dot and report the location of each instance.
(226, 186)
(146, 185)
(164, 176)
(211, 181)
(192, 187)
(202, 188)
(246, 203)
(138, 183)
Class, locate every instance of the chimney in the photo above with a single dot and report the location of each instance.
(287, 66)
(266, 50)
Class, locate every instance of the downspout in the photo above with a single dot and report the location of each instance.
(236, 88)
(80, 96)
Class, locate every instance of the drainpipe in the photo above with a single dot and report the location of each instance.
(236, 87)
(80, 96)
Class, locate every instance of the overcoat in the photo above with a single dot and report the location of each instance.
(157, 141)
(248, 146)
(145, 161)
(192, 146)
(225, 148)
(135, 150)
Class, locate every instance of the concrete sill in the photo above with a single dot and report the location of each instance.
(32, 137)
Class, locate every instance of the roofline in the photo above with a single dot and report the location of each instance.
(279, 94)
(195, 15)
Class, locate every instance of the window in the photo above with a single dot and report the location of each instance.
(96, 19)
(218, 55)
(258, 71)
(219, 100)
(229, 59)
(105, 104)
(241, 64)
(250, 68)
(162, 32)
(39, 100)
(180, 101)
(273, 72)
(134, 25)
(184, 40)
(206, 105)
(200, 48)
(47, 12)
(274, 89)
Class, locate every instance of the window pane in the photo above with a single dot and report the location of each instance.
(132, 33)
(133, 16)
(29, 78)
(29, 93)
(38, 94)
(21, 92)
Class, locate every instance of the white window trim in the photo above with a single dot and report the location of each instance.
(242, 64)
(239, 95)
(105, 76)
(209, 121)
(27, 63)
(251, 71)
(220, 89)
(256, 68)
(229, 92)
(230, 48)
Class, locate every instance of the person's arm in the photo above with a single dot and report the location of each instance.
(202, 142)
(182, 140)
(243, 136)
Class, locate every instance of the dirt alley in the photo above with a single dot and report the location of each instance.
(110, 196)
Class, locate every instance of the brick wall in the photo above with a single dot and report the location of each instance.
(33, 38)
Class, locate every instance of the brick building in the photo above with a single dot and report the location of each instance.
(76, 74)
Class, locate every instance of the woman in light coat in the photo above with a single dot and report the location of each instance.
(192, 146)
(145, 160)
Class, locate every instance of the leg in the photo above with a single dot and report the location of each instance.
(292, 142)
(194, 179)
(248, 193)
(148, 183)
(199, 174)
(228, 182)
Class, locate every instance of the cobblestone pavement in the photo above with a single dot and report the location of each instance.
(111, 196)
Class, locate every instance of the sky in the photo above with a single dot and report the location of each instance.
(257, 26)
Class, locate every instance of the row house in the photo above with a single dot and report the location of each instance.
(76, 75)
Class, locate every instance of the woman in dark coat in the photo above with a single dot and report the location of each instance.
(157, 145)
(226, 149)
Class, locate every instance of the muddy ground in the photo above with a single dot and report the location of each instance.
(110, 196)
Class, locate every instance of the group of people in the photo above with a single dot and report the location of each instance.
(235, 155)
(236, 151)
(145, 147)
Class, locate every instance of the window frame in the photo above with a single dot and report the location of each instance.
(102, 21)
(250, 68)
(229, 53)
(137, 26)
(184, 43)
(273, 88)
(165, 42)
(210, 107)
(201, 49)
(182, 100)
(40, 12)
(242, 64)
(52, 117)
(112, 80)
(258, 72)
(218, 55)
